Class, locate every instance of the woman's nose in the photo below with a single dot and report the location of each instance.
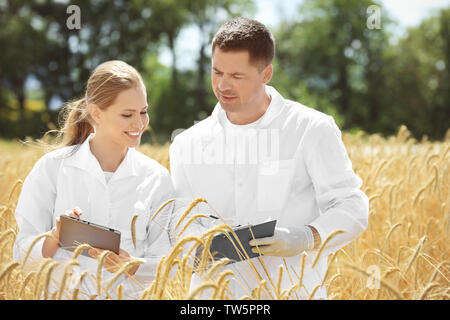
(140, 123)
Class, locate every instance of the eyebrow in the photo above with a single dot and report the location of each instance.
(133, 110)
(233, 74)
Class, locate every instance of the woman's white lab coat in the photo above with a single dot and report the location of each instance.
(72, 176)
(291, 165)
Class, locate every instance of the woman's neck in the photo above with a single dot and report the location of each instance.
(109, 154)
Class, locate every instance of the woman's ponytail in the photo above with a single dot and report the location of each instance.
(75, 126)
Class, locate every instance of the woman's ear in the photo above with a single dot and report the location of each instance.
(268, 72)
(94, 112)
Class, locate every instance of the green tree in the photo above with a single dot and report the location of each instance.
(420, 77)
(331, 56)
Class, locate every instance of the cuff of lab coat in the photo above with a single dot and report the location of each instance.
(322, 233)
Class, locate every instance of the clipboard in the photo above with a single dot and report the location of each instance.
(222, 247)
(74, 231)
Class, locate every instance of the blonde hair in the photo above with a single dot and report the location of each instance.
(105, 83)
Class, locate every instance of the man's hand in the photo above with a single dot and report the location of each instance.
(286, 242)
(113, 262)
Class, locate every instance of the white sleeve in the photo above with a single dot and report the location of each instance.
(34, 210)
(342, 204)
(181, 184)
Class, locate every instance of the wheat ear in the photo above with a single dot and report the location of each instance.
(188, 210)
(63, 281)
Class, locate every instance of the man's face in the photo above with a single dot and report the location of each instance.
(238, 84)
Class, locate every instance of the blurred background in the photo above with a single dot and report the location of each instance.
(372, 70)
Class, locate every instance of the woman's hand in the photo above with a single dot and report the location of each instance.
(114, 262)
(51, 244)
(75, 212)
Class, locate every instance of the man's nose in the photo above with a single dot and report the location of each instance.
(223, 84)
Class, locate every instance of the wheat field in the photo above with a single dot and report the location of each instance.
(403, 254)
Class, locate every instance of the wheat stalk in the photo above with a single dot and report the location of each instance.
(323, 245)
(188, 210)
(77, 288)
(427, 290)
(133, 230)
(18, 182)
(191, 220)
(221, 283)
(122, 269)
(45, 263)
(101, 261)
(68, 266)
(202, 287)
(161, 207)
(52, 266)
(419, 247)
(9, 267)
(39, 237)
(120, 292)
(382, 282)
(80, 249)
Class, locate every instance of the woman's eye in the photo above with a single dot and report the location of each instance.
(144, 112)
(127, 115)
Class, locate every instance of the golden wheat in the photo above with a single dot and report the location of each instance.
(408, 186)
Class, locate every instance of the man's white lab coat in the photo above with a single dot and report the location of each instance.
(290, 165)
(60, 181)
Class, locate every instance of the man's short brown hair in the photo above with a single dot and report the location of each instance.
(246, 34)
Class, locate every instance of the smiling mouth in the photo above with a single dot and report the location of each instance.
(133, 134)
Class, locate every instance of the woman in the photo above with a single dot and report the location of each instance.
(98, 175)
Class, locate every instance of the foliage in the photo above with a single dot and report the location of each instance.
(327, 59)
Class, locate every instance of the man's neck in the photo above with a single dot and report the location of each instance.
(250, 115)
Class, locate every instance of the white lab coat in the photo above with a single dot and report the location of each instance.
(291, 165)
(60, 181)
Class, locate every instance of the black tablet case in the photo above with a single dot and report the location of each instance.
(75, 231)
(221, 245)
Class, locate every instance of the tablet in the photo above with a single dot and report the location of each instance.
(74, 231)
(221, 245)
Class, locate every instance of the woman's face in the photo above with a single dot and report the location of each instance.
(125, 120)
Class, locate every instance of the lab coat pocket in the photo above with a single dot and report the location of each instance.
(274, 180)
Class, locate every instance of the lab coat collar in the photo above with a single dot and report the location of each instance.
(275, 107)
(85, 160)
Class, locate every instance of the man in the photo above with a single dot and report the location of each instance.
(261, 157)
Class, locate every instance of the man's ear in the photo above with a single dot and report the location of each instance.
(267, 73)
(94, 112)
